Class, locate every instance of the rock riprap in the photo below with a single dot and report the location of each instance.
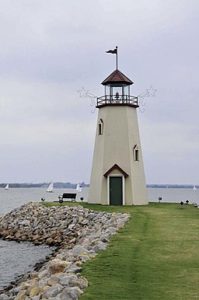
(78, 233)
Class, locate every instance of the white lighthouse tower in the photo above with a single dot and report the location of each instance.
(117, 176)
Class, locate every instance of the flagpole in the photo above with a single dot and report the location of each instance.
(116, 57)
(115, 51)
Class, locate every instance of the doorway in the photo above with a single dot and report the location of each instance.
(116, 190)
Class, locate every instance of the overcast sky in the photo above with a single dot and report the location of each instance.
(52, 50)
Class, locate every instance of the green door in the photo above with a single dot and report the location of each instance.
(115, 190)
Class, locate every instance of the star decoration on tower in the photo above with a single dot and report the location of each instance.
(83, 93)
(150, 92)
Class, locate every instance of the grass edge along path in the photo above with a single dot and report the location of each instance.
(155, 256)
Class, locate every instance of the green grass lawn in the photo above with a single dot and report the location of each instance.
(155, 256)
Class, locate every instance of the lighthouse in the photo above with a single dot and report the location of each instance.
(117, 176)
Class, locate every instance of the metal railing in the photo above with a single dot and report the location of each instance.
(117, 100)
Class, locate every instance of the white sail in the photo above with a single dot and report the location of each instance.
(194, 188)
(50, 188)
(78, 188)
(7, 187)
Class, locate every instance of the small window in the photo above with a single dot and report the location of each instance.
(136, 153)
(100, 127)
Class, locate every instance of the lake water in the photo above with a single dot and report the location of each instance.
(16, 259)
(15, 197)
(173, 195)
(19, 258)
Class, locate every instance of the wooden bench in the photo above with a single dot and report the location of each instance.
(71, 196)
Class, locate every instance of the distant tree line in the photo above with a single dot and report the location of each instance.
(58, 185)
(173, 186)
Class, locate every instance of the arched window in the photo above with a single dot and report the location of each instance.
(136, 153)
(100, 127)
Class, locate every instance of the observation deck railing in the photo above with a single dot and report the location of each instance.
(117, 100)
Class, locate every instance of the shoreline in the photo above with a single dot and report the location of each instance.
(25, 276)
(78, 234)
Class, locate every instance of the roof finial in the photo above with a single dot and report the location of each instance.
(115, 51)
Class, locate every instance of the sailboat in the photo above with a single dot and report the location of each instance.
(50, 188)
(78, 188)
(194, 188)
(7, 187)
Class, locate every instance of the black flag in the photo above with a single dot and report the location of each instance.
(112, 51)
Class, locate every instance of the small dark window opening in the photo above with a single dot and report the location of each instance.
(135, 153)
(100, 127)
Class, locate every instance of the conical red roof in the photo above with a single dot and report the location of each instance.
(117, 77)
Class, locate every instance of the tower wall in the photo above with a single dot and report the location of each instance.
(116, 144)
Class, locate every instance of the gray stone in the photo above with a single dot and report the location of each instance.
(99, 246)
(104, 238)
(71, 293)
(35, 298)
(65, 280)
(53, 280)
(74, 269)
(81, 282)
(43, 282)
(110, 231)
(79, 250)
(24, 223)
(84, 257)
(4, 297)
(71, 226)
(52, 291)
(84, 222)
(42, 274)
(15, 290)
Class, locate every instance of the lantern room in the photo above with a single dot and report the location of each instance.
(117, 91)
